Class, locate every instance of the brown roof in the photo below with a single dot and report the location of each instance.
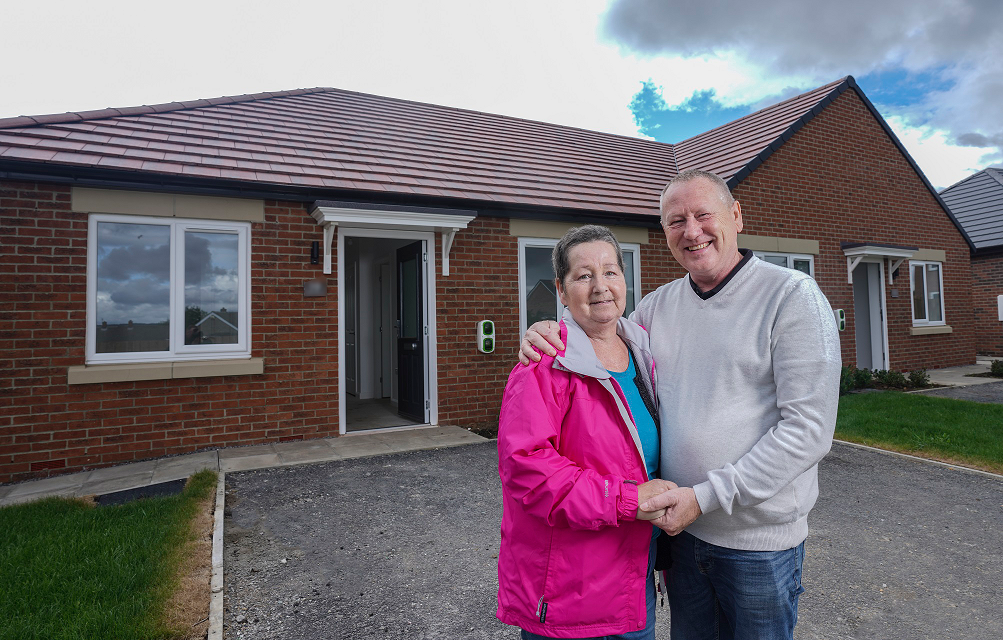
(331, 141)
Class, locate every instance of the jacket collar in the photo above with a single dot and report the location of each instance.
(579, 356)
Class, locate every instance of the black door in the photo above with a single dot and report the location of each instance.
(411, 334)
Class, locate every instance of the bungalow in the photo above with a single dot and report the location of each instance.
(283, 266)
(977, 203)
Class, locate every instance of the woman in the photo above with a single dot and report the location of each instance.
(577, 444)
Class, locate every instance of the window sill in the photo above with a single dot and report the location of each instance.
(96, 373)
(929, 331)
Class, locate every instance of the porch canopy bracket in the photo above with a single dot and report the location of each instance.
(895, 254)
(331, 214)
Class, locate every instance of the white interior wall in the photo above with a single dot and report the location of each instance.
(373, 252)
(366, 322)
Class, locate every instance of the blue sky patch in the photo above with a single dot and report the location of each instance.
(903, 93)
(696, 114)
(901, 88)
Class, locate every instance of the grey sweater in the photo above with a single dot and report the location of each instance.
(748, 387)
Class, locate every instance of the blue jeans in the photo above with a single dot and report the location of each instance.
(648, 632)
(717, 593)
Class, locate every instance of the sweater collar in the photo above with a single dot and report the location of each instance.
(746, 257)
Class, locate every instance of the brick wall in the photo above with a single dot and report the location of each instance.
(841, 179)
(838, 179)
(47, 426)
(987, 283)
(483, 285)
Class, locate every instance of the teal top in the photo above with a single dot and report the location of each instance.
(646, 430)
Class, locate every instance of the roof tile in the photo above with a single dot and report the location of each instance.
(30, 154)
(334, 139)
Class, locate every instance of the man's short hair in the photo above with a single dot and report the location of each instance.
(690, 174)
(580, 235)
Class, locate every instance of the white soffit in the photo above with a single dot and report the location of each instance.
(330, 217)
(894, 254)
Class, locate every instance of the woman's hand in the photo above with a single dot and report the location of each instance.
(545, 335)
(649, 490)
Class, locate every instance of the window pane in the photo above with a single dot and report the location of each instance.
(933, 292)
(777, 260)
(802, 265)
(133, 287)
(541, 294)
(918, 296)
(211, 313)
(410, 298)
(628, 273)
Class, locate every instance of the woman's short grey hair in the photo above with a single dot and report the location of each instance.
(581, 235)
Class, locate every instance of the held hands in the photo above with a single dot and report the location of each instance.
(649, 490)
(679, 509)
(545, 335)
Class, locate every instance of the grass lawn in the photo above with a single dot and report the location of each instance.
(69, 569)
(956, 431)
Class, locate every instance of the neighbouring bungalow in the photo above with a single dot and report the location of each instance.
(310, 263)
(977, 203)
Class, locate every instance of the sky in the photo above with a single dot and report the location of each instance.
(660, 69)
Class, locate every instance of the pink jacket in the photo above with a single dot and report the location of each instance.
(573, 558)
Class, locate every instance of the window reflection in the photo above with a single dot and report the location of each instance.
(541, 293)
(211, 314)
(133, 287)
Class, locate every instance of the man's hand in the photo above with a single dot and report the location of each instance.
(681, 509)
(649, 490)
(544, 335)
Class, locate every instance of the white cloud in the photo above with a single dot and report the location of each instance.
(790, 43)
(542, 60)
(943, 163)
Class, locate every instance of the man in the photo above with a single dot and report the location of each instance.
(747, 356)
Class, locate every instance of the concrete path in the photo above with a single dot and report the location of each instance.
(141, 474)
(405, 546)
(961, 376)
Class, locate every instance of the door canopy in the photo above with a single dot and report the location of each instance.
(857, 251)
(330, 214)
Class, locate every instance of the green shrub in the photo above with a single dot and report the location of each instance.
(846, 380)
(996, 368)
(890, 378)
(919, 379)
(862, 378)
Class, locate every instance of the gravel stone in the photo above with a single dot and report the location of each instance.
(405, 546)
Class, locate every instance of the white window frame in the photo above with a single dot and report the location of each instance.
(550, 243)
(177, 350)
(791, 257)
(912, 294)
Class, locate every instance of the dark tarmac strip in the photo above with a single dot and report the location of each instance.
(405, 545)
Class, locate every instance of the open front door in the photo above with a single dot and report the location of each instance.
(869, 316)
(410, 333)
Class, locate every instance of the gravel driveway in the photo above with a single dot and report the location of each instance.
(405, 545)
(989, 392)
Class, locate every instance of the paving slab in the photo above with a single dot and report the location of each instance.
(357, 446)
(306, 452)
(30, 497)
(110, 483)
(184, 466)
(961, 376)
(58, 485)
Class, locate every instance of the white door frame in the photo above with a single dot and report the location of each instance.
(886, 355)
(431, 362)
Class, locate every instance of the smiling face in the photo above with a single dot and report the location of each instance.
(594, 290)
(702, 230)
